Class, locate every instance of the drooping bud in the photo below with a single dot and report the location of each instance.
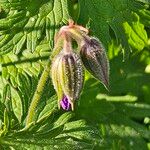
(95, 60)
(67, 76)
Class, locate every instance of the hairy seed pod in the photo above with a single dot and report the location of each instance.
(55, 77)
(95, 59)
(67, 76)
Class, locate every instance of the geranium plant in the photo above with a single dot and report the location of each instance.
(74, 74)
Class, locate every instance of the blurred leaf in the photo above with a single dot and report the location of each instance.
(126, 98)
(137, 35)
(105, 15)
(131, 76)
(134, 110)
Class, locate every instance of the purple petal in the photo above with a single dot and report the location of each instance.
(65, 103)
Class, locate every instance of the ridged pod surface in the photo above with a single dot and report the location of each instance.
(67, 76)
(95, 60)
(55, 77)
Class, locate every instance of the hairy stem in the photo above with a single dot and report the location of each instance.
(67, 44)
(37, 94)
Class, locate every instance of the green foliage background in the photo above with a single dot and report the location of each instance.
(118, 119)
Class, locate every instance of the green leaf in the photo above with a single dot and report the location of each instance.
(126, 98)
(126, 137)
(27, 26)
(16, 100)
(49, 108)
(79, 129)
(63, 119)
(134, 110)
(137, 36)
(103, 16)
(26, 63)
(16, 104)
(75, 134)
(131, 71)
(118, 119)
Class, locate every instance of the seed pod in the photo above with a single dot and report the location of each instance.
(67, 76)
(95, 60)
(55, 77)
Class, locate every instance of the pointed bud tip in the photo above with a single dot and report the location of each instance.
(72, 106)
(107, 87)
(106, 84)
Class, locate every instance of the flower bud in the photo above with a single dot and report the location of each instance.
(95, 60)
(67, 77)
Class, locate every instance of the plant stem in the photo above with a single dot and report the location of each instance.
(67, 47)
(37, 94)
